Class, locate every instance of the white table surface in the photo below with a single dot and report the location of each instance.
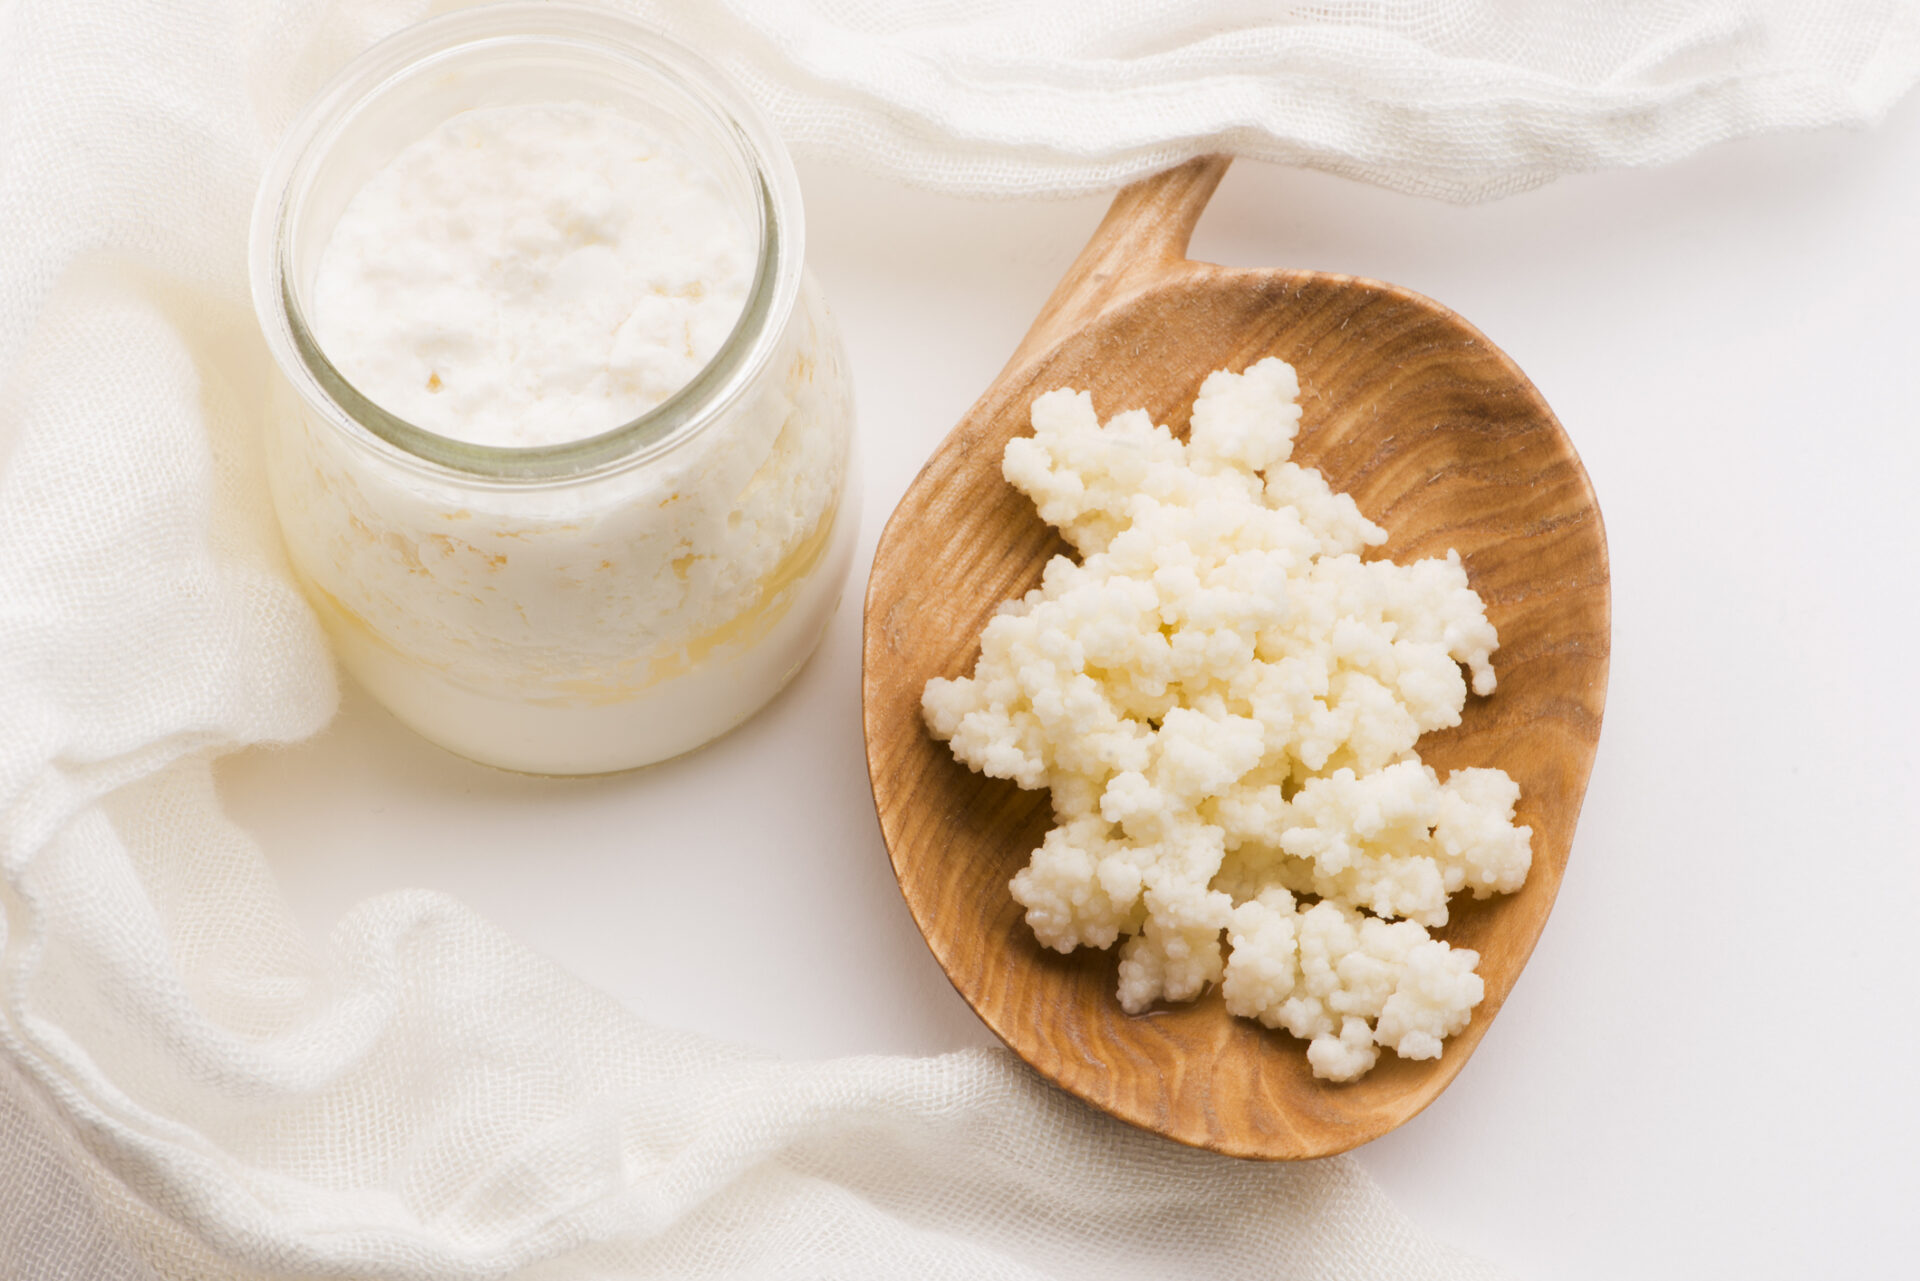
(1709, 1067)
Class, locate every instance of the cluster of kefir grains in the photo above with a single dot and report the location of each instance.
(531, 274)
(1224, 698)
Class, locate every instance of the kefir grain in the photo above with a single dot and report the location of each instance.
(1225, 700)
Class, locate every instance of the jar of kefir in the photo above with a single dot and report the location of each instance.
(560, 432)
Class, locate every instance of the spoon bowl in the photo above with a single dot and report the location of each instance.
(1440, 438)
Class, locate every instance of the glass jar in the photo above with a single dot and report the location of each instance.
(600, 603)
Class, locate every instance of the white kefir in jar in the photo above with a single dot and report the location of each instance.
(530, 275)
(561, 445)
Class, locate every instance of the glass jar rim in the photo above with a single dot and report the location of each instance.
(722, 380)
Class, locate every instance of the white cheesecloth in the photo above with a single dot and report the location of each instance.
(189, 1088)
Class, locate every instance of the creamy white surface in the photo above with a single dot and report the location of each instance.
(531, 274)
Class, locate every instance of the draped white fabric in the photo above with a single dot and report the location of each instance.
(193, 1088)
(1462, 99)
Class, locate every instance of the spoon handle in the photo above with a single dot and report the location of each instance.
(1142, 240)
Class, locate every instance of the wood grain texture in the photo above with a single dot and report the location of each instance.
(1438, 437)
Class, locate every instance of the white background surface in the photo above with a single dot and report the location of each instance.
(1709, 1066)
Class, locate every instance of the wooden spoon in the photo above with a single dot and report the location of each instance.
(1438, 437)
